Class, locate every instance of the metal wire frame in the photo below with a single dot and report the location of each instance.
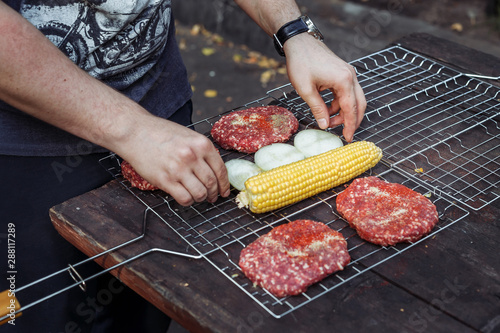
(419, 113)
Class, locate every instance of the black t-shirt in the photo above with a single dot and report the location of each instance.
(128, 44)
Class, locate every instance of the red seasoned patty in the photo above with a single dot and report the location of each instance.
(248, 130)
(135, 179)
(293, 256)
(386, 213)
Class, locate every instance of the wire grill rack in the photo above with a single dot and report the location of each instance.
(419, 112)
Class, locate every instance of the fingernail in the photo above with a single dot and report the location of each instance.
(322, 123)
(226, 194)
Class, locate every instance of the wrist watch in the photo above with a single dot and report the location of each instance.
(293, 28)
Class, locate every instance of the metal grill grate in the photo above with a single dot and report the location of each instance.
(419, 112)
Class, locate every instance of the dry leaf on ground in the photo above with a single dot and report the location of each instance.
(207, 51)
(210, 93)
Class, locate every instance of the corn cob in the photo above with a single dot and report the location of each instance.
(297, 181)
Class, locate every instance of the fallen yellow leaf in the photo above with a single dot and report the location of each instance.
(266, 76)
(282, 70)
(195, 30)
(237, 58)
(207, 51)
(182, 44)
(266, 62)
(206, 33)
(251, 60)
(218, 39)
(210, 93)
(457, 27)
(254, 54)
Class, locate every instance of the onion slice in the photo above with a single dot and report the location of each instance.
(239, 170)
(314, 142)
(277, 154)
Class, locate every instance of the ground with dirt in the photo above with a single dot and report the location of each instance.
(471, 18)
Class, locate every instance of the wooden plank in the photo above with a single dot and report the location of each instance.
(456, 271)
(467, 60)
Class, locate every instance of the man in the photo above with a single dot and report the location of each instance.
(81, 78)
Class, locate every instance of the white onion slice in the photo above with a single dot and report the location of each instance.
(239, 170)
(314, 142)
(277, 154)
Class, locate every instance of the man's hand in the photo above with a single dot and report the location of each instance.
(178, 160)
(312, 68)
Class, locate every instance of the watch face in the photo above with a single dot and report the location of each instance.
(309, 23)
(313, 30)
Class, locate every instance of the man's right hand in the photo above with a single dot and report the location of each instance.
(178, 160)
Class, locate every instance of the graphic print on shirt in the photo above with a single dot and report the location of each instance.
(104, 37)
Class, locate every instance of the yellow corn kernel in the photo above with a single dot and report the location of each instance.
(297, 181)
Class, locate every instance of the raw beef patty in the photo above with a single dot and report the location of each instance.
(386, 213)
(135, 179)
(248, 130)
(293, 256)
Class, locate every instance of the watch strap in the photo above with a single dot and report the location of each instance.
(287, 31)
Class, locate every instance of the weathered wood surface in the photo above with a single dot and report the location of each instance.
(467, 60)
(450, 283)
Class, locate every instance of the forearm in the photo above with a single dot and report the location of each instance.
(40, 80)
(270, 15)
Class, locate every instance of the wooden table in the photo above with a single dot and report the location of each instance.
(450, 283)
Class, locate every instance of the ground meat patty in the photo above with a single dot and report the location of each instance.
(135, 179)
(248, 130)
(386, 213)
(293, 256)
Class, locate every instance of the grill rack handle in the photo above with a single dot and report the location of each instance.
(10, 307)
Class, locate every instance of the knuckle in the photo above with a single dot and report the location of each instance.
(305, 89)
(316, 110)
(222, 173)
(203, 142)
(185, 201)
(352, 70)
(186, 154)
(199, 198)
(200, 195)
(347, 75)
(210, 188)
(211, 182)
